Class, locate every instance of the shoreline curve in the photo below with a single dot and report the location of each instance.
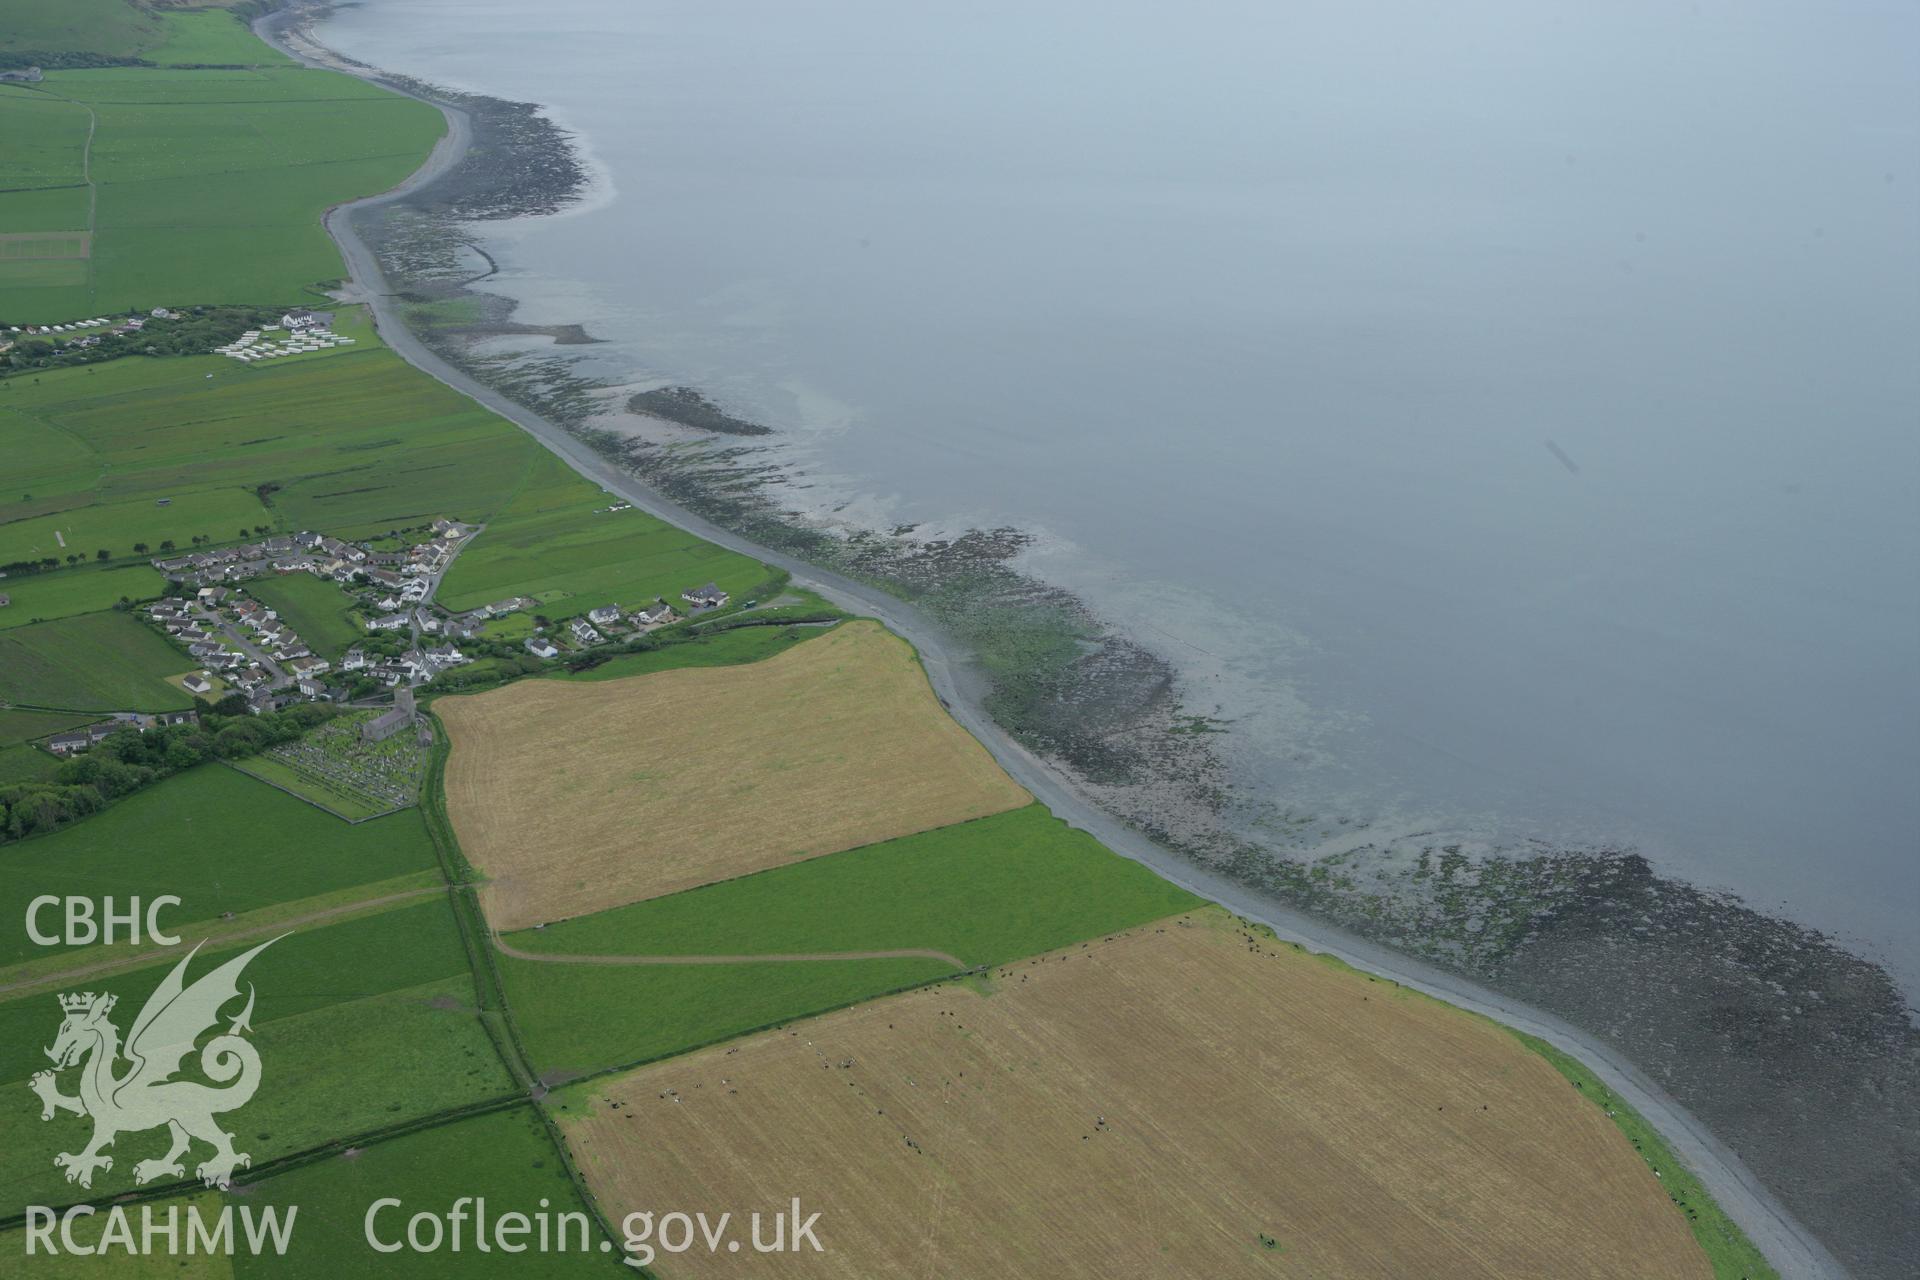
(1790, 1247)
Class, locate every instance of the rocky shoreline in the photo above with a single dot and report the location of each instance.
(1802, 1057)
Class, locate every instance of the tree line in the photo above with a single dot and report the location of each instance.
(127, 760)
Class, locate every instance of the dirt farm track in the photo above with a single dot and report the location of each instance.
(1186, 1100)
(574, 798)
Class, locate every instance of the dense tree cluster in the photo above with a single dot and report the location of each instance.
(127, 760)
(192, 331)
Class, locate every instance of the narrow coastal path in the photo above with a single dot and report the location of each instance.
(1788, 1245)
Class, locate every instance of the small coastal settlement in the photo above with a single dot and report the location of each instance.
(243, 646)
(592, 853)
(388, 586)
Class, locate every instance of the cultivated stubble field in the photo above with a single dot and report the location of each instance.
(573, 798)
(1154, 1105)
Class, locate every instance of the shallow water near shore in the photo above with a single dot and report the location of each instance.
(1498, 420)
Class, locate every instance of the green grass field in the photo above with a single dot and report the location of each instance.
(114, 527)
(21, 726)
(86, 589)
(553, 543)
(265, 150)
(505, 1156)
(361, 1025)
(580, 1019)
(94, 662)
(117, 1265)
(355, 445)
(211, 37)
(111, 27)
(316, 608)
(22, 763)
(41, 148)
(992, 890)
(218, 840)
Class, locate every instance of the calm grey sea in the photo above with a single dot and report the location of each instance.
(1504, 413)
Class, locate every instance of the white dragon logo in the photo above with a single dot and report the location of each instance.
(146, 1096)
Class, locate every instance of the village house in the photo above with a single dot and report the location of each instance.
(299, 320)
(442, 657)
(605, 616)
(196, 683)
(709, 596)
(541, 647)
(354, 659)
(310, 687)
(388, 622)
(583, 632)
(658, 616)
(392, 671)
(66, 744)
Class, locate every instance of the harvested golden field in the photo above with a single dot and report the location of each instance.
(1186, 1100)
(576, 797)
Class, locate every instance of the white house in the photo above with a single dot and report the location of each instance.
(300, 319)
